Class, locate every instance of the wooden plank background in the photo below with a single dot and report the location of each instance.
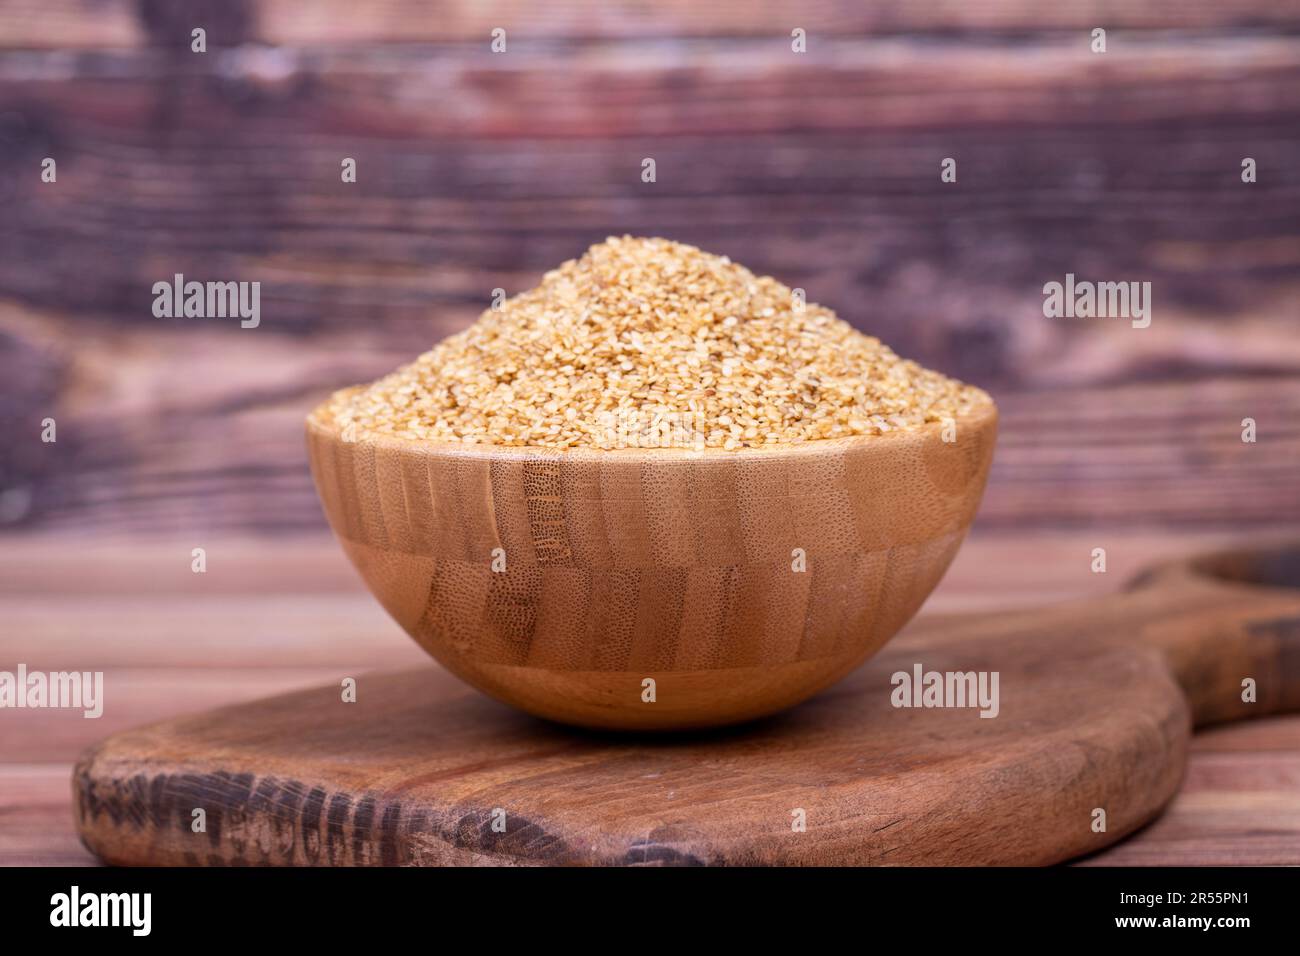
(479, 170)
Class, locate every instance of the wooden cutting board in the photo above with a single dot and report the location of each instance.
(1097, 701)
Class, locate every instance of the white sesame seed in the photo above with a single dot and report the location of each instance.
(654, 331)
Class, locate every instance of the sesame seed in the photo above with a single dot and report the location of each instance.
(645, 335)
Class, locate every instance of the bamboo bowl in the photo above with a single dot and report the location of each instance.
(669, 566)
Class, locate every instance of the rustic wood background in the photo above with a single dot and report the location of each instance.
(479, 170)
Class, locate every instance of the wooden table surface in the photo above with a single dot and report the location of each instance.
(274, 616)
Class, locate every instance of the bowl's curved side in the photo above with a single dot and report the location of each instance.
(739, 583)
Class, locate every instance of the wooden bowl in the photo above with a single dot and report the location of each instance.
(653, 589)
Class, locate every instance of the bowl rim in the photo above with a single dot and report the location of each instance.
(981, 418)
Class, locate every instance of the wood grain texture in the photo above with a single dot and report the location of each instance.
(1239, 803)
(740, 583)
(122, 610)
(107, 24)
(481, 171)
(1096, 711)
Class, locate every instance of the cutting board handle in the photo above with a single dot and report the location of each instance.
(1224, 619)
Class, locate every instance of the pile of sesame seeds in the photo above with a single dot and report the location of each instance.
(652, 343)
